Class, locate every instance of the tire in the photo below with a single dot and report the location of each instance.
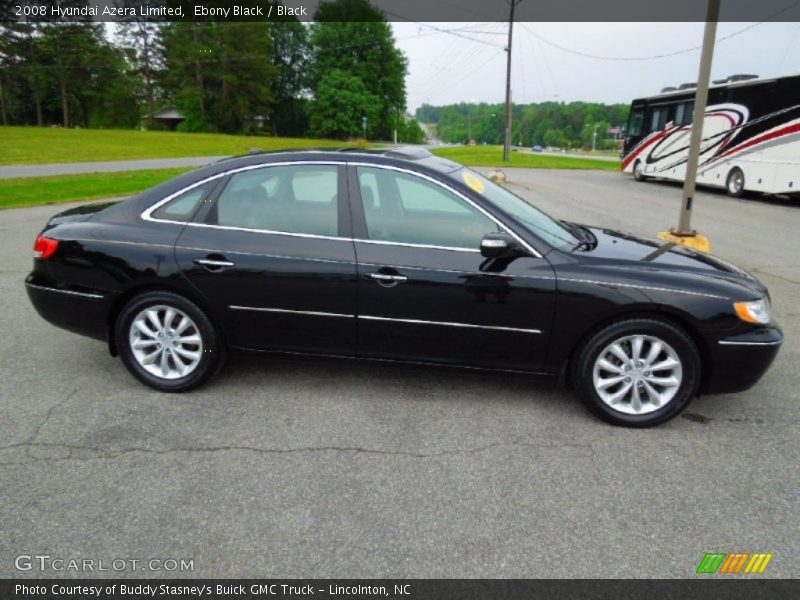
(734, 183)
(591, 378)
(192, 355)
(638, 171)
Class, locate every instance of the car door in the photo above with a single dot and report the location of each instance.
(274, 256)
(424, 290)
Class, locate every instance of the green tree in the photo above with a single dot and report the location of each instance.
(142, 38)
(219, 74)
(410, 132)
(290, 53)
(341, 102)
(353, 37)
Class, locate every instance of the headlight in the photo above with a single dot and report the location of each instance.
(754, 311)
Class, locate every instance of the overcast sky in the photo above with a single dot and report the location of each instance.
(445, 68)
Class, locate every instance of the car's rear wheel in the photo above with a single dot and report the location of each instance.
(734, 184)
(167, 342)
(637, 372)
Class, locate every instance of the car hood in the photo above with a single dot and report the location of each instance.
(618, 247)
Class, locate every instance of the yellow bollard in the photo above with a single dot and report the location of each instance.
(693, 240)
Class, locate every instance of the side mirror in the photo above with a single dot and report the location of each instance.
(499, 245)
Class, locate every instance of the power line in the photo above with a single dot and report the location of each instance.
(653, 56)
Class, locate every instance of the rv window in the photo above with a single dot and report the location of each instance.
(635, 125)
(658, 118)
(683, 113)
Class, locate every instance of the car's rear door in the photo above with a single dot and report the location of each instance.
(274, 256)
(425, 291)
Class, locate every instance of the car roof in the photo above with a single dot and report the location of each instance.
(414, 155)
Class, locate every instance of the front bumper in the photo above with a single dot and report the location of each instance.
(739, 361)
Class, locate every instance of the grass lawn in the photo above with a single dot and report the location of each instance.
(39, 145)
(492, 156)
(32, 191)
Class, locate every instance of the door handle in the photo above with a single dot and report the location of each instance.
(386, 280)
(386, 277)
(213, 264)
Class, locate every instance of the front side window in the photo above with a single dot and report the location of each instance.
(407, 209)
(290, 199)
(552, 231)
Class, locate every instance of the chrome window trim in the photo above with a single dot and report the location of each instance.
(265, 255)
(68, 292)
(730, 343)
(146, 214)
(408, 245)
(449, 324)
(466, 199)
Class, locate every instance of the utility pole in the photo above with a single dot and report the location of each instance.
(507, 139)
(701, 99)
(594, 139)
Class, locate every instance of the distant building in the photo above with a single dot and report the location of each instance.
(171, 117)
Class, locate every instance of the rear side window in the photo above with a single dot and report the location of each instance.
(286, 199)
(182, 207)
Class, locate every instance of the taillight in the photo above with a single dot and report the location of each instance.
(44, 247)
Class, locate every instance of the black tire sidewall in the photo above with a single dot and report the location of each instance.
(680, 341)
(212, 349)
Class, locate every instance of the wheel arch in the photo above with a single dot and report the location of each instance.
(661, 313)
(154, 286)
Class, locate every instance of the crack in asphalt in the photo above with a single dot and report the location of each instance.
(106, 454)
(37, 430)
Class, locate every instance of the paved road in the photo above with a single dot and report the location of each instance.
(590, 156)
(111, 166)
(297, 469)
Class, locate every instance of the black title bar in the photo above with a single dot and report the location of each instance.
(400, 10)
(393, 589)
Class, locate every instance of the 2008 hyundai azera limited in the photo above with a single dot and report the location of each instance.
(397, 255)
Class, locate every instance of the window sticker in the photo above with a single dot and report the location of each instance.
(473, 182)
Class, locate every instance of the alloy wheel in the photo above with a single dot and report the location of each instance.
(637, 374)
(165, 342)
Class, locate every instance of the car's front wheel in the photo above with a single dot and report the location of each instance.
(167, 342)
(637, 372)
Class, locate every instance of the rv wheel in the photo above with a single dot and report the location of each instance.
(638, 171)
(735, 182)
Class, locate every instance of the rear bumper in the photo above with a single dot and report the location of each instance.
(82, 312)
(740, 361)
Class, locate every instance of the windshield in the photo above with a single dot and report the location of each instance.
(546, 227)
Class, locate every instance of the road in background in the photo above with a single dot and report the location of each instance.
(341, 469)
(110, 166)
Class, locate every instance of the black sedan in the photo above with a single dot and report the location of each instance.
(397, 256)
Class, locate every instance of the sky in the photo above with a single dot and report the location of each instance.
(468, 62)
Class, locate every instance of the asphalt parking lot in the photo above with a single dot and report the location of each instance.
(336, 469)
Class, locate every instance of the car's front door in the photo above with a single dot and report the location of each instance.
(274, 257)
(425, 291)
